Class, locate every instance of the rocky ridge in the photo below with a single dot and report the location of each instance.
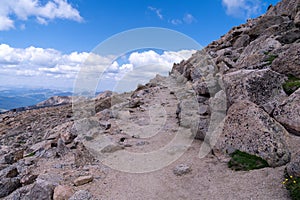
(229, 96)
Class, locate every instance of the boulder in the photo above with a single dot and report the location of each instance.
(250, 129)
(256, 52)
(8, 185)
(242, 41)
(293, 168)
(42, 190)
(288, 62)
(287, 113)
(262, 87)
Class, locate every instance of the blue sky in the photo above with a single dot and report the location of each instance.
(43, 40)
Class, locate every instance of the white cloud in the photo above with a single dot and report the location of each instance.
(11, 10)
(187, 19)
(176, 21)
(156, 11)
(242, 8)
(53, 67)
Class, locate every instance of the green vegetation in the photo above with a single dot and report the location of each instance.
(244, 161)
(291, 85)
(292, 184)
(271, 58)
(30, 154)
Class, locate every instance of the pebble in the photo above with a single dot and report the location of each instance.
(182, 169)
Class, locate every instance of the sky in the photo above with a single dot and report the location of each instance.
(46, 43)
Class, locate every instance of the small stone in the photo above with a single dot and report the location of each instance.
(142, 143)
(62, 192)
(182, 169)
(83, 180)
(81, 194)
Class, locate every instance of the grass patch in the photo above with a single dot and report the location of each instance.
(292, 184)
(242, 161)
(271, 58)
(291, 85)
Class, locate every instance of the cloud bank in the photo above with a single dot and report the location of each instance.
(40, 67)
(12, 10)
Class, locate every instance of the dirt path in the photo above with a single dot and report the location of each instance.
(209, 178)
(150, 128)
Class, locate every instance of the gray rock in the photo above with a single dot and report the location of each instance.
(263, 23)
(293, 168)
(285, 7)
(288, 62)
(9, 172)
(182, 169)
(250, 129)
(242, 41)
(81, 194)
(61, 149)
(201, 88)
(287, 113)
(42, 190)
(289, 36)
(200, 127)
(297, 19)
(218, 102)
(8, 185)
(262, 87)
(82, 156)
(103, 104)
(255, 53)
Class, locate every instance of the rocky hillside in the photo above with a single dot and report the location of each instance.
(239, 94)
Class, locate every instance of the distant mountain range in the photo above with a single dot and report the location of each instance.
(21, 97)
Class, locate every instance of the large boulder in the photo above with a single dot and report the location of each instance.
(287, 113)
(255, 55)
(288, 61)
(262, 87)
(250, 129)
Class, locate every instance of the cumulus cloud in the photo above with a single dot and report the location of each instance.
(11, 10)
(52, 66)
(242, 8)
